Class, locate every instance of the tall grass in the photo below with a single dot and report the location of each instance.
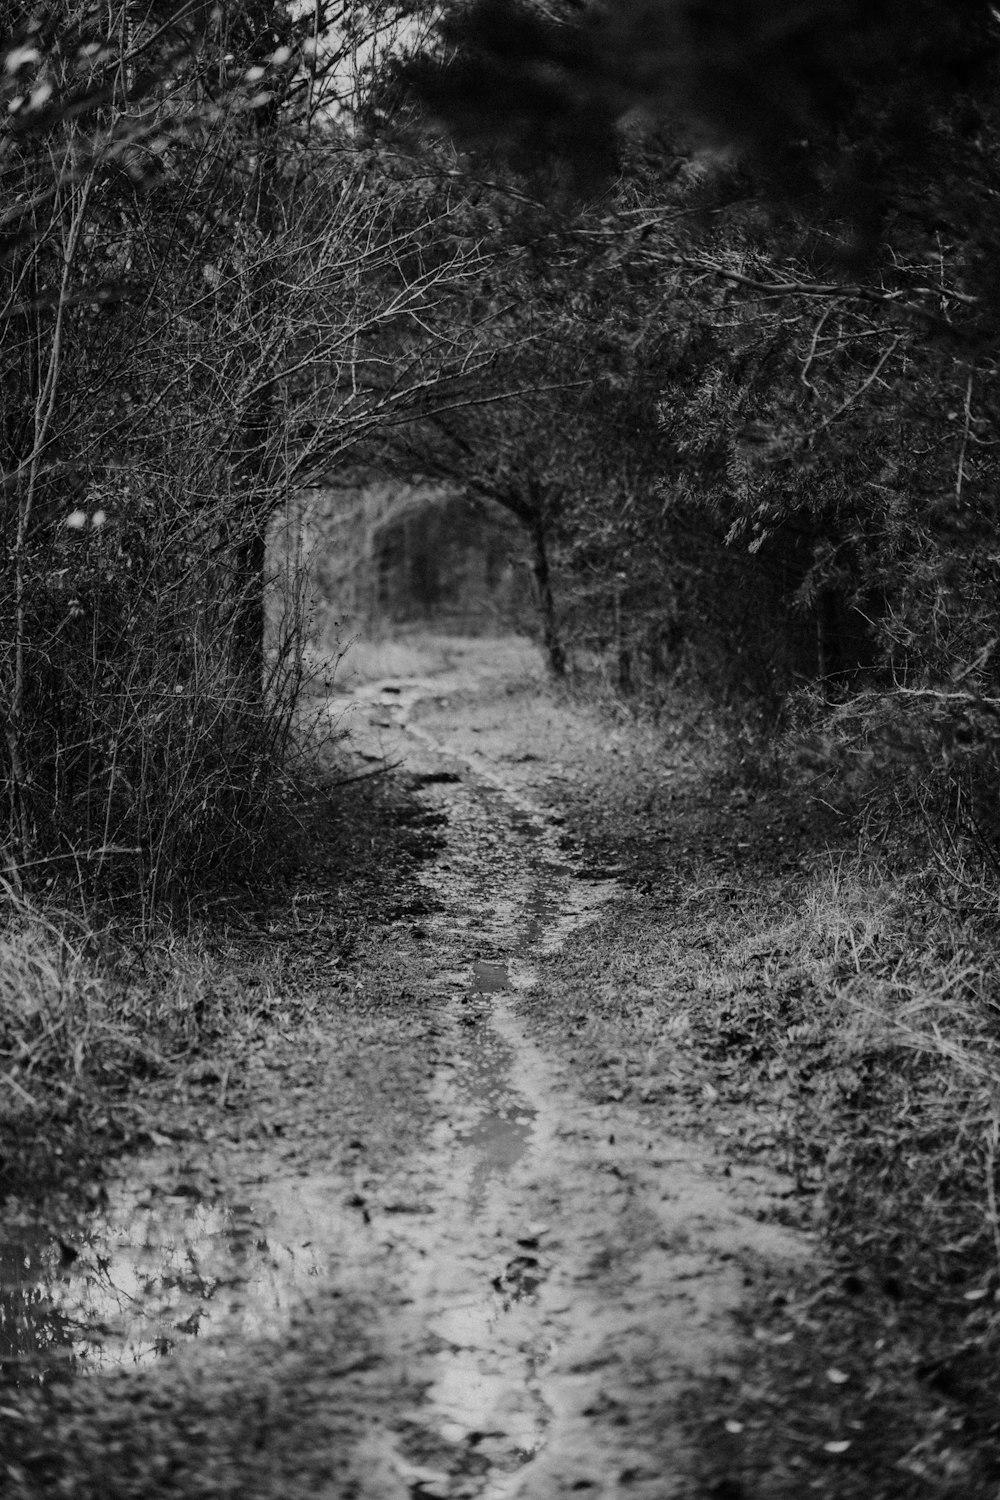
(869, 1018)
(914, 1030)
(54, 1006)
(85, 1012)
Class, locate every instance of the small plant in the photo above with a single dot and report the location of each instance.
(55, 1009)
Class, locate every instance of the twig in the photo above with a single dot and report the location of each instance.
(857, 394)
(975, 699)
(991, 1187)
(22, 1091)
(76, 855)
(812, 288)
(966, 426)
(389, 765)
(811, 357)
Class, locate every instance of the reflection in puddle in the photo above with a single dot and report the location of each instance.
(482, 1385)
(154, 1269)
(492, 1119)
(488, 1394)
(489, 978)
(480, 1291)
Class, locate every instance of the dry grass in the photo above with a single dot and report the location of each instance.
(835, 1019)
(55, 1006)
(880, 1035)
(84, 1014)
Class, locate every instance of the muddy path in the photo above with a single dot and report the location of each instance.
(440, 1270)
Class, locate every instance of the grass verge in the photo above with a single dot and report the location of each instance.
(100, 1016)
(826, 1016)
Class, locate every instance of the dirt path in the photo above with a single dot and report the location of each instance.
(440, 1271)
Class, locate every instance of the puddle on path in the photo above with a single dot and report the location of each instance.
(485, 1416)
(151, 1270)
(476, 1275)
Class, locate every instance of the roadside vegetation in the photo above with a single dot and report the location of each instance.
(832, 1029)
(814, 1005)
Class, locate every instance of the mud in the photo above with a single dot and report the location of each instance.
(560, 1273)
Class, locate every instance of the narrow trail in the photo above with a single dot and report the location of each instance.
(591, 1271)
(547, 1278)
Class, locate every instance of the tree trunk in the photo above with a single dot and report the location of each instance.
(253, 458)
(247, 640)
(623, 652)
(249, 555)
(554, 649)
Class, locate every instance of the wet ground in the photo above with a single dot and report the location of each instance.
(548, 1277)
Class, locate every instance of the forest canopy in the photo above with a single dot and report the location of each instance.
(701, 296)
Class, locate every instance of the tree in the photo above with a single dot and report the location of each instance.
(561, 422)
(818, 189)
(210, 298)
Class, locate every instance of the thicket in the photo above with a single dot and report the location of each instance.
(211, 294)
(702, 300)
